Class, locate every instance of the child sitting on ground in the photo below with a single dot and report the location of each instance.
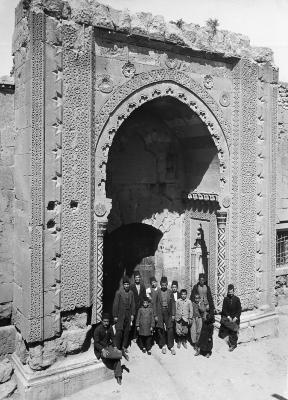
(184, 312)
(145, 323)
(206, 336)
(198, 313)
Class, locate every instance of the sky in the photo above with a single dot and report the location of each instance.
(264, 21)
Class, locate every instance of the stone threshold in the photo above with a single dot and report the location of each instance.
(65, 377)
(255, 325)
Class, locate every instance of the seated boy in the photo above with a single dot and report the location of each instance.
(145, 323)
(184, 312)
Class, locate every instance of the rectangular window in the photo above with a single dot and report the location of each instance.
(282, 249)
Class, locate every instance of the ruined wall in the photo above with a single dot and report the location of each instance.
(7, 200)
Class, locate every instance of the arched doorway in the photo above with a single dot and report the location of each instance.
(161, 153)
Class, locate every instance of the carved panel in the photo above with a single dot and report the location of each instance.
(76, 167)
(37, 22)
(247, 221)
(201, 211)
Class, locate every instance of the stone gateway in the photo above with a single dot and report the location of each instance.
(139, 145)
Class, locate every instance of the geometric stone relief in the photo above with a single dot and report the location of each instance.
(207, 109)
(208, 81)
(128, 69)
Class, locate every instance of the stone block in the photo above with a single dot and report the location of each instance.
(5, 311)
(266, 327)
(6, 370)
(22, 119)
(6, 178)
(7, 389)
(246, 334)
(7, 339)
(23, 141)
(6, 292)
(6, 269)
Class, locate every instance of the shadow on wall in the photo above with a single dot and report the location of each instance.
(124, 248)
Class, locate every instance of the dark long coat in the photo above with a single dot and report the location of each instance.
(231, 308)
(119, 307)
(145, 321)
(205, 342)
(138, 297)
(158, 309)
(209, 296)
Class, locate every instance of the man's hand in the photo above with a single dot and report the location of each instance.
(115, 320)
(229, 318)
(151, 329)
(189, 321)
(173, 318)
(156, 319)
(105, 353)
(137, 328)
(234, 319)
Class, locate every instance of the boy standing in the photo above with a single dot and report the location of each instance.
(164, 311)
(145, 324)
(123, 313)
(184, 313)
(198, 311)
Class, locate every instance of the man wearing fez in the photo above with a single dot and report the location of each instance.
(230, 318)
(123, 314)
(204, 291)
(105, 347)
(174, 288)
(164, 311)
(139, 292)
(152, 290)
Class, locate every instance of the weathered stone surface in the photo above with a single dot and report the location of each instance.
(5, 310)
(72, 341)
(20, 348)
(7, 388)
(72, 321)
(6, 370)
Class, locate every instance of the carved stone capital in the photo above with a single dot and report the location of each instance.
(221, 219)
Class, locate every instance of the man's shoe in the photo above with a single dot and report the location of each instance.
(184, 345)
(197, 352)
(119, 380)
(149, 352)
(125, 350)
(173, 352)
(125, 356)
(231, 348)
(143, 350)
(208, 355)
(164, 350)
(178, 344)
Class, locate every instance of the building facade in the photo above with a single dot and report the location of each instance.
(140, 144)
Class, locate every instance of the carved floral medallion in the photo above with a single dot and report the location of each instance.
(128, 69)
(208, 81)
(224, 99)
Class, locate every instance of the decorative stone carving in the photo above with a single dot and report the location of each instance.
(104, 83)
(172, 63)
(226, 202)
(213, 197)
(208, 81)
(128, 69)
(224, 99)
(100, 209)
(221, 258)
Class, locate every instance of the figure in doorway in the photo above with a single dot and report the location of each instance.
(164, 311)
(198, 252)
(230, 318)
(105, 347)
(139, 291)
(123, 314)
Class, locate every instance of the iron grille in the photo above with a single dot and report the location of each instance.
(282, 249)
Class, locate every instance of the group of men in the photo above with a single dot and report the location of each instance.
(164, 316)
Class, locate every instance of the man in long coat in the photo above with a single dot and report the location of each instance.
(123, 314)
(105, 347)
(139, 291)
(204, 292)
(230, 318)
(164, 311)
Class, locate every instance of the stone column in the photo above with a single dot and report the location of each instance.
(101, 212)
(221, 259)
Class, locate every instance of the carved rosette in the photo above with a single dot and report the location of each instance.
(224, 99)
(128, 69)
(221, 267)
(208, 81)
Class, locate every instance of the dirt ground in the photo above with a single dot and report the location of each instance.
(256, 370)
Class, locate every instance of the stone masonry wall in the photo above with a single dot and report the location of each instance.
(7, 194)
(7, 146)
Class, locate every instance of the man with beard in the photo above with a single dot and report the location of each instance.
(164, 311)
(204, 291)
(230, 318)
